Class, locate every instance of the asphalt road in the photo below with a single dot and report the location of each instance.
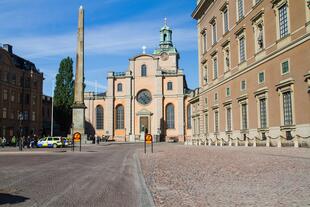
(107, 175)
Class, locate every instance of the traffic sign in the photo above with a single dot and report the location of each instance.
(148, 139)
(77, 137)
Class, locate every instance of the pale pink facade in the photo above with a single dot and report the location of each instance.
(152, 94)
(254, 71)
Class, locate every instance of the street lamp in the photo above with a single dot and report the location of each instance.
(20, 118)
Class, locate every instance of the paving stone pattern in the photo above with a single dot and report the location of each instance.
(179, 175)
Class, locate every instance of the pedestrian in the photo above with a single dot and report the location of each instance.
(3, 142)
(98, 139)
(13, 141)
(28, 142)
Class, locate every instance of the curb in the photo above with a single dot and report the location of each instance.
(146, 198)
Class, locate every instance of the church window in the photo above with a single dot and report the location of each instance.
(165, 37)
(143, 70)
(189, 116)
(99, 117)
(169, 86)
(170, 116)
(120, 117)
(119, 87)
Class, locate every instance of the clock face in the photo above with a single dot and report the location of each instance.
(164, 56)
(144, 97)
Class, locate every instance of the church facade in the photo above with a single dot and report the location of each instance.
(152, 96)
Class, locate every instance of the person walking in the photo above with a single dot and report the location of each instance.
(3, 142)
(13, 141)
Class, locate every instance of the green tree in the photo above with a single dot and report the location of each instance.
(63, 95)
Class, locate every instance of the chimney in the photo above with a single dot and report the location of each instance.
(8, 48)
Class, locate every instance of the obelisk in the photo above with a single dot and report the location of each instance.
(78, 108)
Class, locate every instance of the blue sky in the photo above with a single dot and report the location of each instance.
(44, 32)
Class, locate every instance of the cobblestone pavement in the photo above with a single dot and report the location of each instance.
(98, 176)
(180, 175)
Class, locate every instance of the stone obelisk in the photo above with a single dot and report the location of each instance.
(78, 108)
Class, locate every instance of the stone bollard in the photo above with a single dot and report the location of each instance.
(296, 142)
(236, 143)
(267, 142)
(254, 142)
(206, 142)
(221, 143)
(246, 142)
(216, 142)
(209, 142)
(199, 142)
(279, 142)
(229, 142)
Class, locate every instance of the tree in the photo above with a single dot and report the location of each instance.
(63, 95)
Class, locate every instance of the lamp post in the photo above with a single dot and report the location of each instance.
(20, 118)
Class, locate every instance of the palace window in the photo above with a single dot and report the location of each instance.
(206, 123)
(120, 117)
(287, 108)
(283, 20)
(261, 77)
(285, 67)
(119, 87)
(169, 86)
(225, 20)
(205, 76)
(4, 113)
(214, 36)
(241, 49)
(240, 9)
(228, 92)
(204, 39)
(189, 116)
(215, 69)
(216, 97)
(263, 113)
(228, 118)
(170, 116)
(33, 118)
(5, 94)
(99, 117)
(243, 85)
(244, 115)
(143, 70)
(216, 121)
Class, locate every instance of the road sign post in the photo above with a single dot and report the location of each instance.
(76, 138)
(148, 140)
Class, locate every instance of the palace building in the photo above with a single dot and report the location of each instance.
(21, 86)
(254, 72)
(152, 95)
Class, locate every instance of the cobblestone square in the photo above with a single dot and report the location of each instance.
(180, 175)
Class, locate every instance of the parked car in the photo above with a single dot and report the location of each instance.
(52, 142)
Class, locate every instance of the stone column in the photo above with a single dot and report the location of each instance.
(78, 113)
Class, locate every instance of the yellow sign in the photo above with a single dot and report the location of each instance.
(148, 139)
(77, 137)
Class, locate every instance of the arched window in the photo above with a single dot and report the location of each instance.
(170, 116)
(169, 86)
(165, 37)
(119, 87)
(120, 117)
(189, 116)
(99, 117)
(143, 70)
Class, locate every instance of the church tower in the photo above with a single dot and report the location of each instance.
(167, 50)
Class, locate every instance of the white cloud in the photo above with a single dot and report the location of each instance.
(108, 39)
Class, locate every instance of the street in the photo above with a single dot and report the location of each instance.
(105, 175)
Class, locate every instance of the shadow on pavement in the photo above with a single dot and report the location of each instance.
(11, 199)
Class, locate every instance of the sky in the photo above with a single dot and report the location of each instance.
(45, 32)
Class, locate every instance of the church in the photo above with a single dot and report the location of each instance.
(151, 96)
